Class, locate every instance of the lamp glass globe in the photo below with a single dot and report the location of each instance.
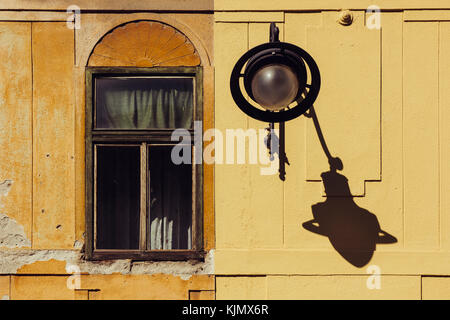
(274, 86)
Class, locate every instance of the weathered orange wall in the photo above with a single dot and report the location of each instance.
(42, 161)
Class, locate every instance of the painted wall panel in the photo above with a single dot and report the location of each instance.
(292, 5)
(208, 169)
(299, 195)
(343, 287)
(435, 288)
(53, 136)
(145, 287)
(200, 5)
(40, 288)
(249, 17)
(426, 15)
(385, 198)
(420, 134)
(395, 150)
(16, 128)
(241, 288)
(4, 287)
(326, 262)
(319, 287)
(232, 190)
(444, 133)
(348, 107)
(115, 287)
(79, 146)
(267, 192)
(364, 150)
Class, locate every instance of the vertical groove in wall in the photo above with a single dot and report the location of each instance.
(403, 142)
(250, 218)
(215, 287)
(267, 286)
(420, 134)
(421, 284)
(283, 189)
(73, 156)
(381, 108)
(32, 134)
(74, 41)
(283, 219)
(439, 132)
(444, 134)
(248, 48)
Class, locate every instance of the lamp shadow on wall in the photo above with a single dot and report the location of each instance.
(353, 231)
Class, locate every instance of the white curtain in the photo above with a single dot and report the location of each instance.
(170, 201)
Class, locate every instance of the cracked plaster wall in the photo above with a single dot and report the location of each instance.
(13, 260)
(12, 236)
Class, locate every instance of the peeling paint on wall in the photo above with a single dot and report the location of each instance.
(12, 234)
(78, 244)
(184, 269)
(12, 260)
(5, 186)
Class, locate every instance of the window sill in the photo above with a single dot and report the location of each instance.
(155, 255)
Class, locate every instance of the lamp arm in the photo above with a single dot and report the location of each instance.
(274, 33)
(334, 162)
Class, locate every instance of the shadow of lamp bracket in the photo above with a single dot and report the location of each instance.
(276, 78)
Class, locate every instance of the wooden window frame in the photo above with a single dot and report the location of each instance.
(144, 138)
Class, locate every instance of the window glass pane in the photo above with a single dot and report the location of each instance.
(144, 103)
(170, 201)
(118, 197)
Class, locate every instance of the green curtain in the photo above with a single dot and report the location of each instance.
(144, 103)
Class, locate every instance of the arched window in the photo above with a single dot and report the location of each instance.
(143, 81)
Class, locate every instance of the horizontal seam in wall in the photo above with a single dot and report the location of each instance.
(320, 275)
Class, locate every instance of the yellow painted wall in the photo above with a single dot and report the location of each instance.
(383, 110)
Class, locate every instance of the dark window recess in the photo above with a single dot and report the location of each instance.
(170, 218)
(118, 196)
(144, 103)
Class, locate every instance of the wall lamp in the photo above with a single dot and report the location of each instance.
(281, 79)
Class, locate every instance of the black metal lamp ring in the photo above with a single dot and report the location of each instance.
(275, 56)
(287, 54)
